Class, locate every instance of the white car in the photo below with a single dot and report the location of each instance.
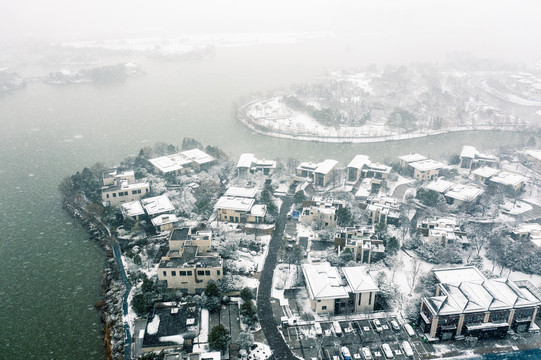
(366, 353)
(377, 325)
(387, 351)
(406, 347)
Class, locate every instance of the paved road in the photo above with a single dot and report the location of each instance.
(270, 328)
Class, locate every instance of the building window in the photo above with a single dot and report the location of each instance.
(360, 297)
(134, 192)
(121, 193)
(370, 298)
(107, 196)
(218, 272)
(190, 273)
(165, 273)
(324, 307)
(126, 193)
(139, 191)
(200, 272)
(182, 273)
(207, 272)
(173, 273)
(114, 194)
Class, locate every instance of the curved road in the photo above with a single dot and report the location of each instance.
(276, 342)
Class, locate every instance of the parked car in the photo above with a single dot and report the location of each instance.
(377, 325)
(406, 347)
(337, 328)
(366, 353)
(344, 351)
(394, 325)
(387, 351)
(409, 330)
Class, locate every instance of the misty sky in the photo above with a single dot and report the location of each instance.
(510, 29)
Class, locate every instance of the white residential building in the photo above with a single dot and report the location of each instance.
(248, 163)
(339, 290)
(157, 205)
(443, 230)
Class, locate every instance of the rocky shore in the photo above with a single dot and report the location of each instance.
(112, 287)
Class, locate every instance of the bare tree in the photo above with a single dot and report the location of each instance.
(413, 274)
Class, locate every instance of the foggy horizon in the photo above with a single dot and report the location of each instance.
(417, 30)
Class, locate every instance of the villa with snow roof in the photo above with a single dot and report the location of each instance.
(337, 291)
(120, 187)
(321, 173)
(180, 163)
(362, 167)
(471, 159)
(248, 163)
(468, 304)
(238, 205)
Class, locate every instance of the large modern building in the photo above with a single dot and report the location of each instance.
(336, 291)
(466, 303)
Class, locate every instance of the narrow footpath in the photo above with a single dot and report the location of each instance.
(276, 342)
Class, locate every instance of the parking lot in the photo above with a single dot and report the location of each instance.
(354, 334)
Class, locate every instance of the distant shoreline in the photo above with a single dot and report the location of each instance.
(249, 123)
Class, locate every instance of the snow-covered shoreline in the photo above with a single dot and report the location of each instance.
(246, 121)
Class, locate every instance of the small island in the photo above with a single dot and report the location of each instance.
(394, 103)
(209, 257)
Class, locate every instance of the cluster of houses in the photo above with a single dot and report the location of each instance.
(466, 303)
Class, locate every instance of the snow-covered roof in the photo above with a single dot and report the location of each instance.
(323, 281)
(426, 165)
(485, 171)
(164, 219)
(359, 279)
(534, 153)
(439, 185)
(326, 166)
(359, 162)
(198, 156)
(245, 160)
(234, 203)
(412, 158)
(466, 289)
(508, 178)
(468, 152)
(132, 209)
(237, 191)
(464, 192)
(458, 274)
(158, 204)
(310, 166)
(169, 163)
(258, 210)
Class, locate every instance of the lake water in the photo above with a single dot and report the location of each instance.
(50, 272)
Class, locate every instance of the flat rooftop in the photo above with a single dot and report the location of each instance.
(426, 165)
(131, 209)
(234, 203)
(157, 204)
(236, 191)
(412, 157)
